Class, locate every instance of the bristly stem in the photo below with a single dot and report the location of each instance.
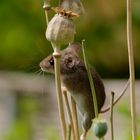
(57, 56)
(131, 69)
(111, 115)
(90, 80)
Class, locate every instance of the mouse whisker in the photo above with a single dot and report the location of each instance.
(37, 74)
(43, 89)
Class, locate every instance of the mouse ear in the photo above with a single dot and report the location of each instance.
(70, 62)
(75, 47)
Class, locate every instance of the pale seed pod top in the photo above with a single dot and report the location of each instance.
(61, 28)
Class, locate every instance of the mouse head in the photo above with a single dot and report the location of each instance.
(47, 64)
(69, 59)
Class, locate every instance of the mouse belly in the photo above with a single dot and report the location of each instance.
(86, 108)
(84, 103)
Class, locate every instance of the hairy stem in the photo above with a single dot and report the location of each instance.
(90, 80)
(131, 69)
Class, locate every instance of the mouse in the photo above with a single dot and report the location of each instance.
(74, 77)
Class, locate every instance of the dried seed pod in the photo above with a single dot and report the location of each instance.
(60, 30)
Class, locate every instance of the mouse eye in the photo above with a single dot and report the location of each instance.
(51, 62)
(69, 59)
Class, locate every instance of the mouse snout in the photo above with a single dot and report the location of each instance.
(42, 65)
(46, 67)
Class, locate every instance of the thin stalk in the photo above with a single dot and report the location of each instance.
(131, 69)
(69, 132)
(57, 56)
(118, 98)
(75, 118)
(111, 115)
(47, 6)
(90, 80)
(69, 113)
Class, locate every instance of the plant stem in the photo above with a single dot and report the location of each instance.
(75, 118)
(131, 69)
(57, 56)
(47, 6)
(90, 80)
(69, 132)
(118, 98)
(111, 115)
(69, 113)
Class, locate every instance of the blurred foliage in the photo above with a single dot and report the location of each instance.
(125, 113)
(51, 133)
(22, 128)
(26, 121)
(23, 43)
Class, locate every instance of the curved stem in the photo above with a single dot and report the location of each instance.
(90, 80)
(131, 69)
(118, 98)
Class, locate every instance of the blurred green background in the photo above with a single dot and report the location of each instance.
(23, 43)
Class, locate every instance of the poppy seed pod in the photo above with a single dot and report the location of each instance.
(100, 128)
(60, 30)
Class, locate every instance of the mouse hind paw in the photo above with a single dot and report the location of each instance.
(83, 136)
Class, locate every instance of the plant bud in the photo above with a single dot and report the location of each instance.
(100, 128)
(60, 30)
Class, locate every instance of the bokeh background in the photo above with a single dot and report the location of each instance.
(25, 99)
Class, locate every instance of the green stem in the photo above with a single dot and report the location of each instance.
(131, 69)
(90, 80)
(57, 56)
(111, 116)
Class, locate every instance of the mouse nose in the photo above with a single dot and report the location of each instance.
(42, 64)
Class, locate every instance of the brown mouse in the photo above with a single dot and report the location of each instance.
(75, 79)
